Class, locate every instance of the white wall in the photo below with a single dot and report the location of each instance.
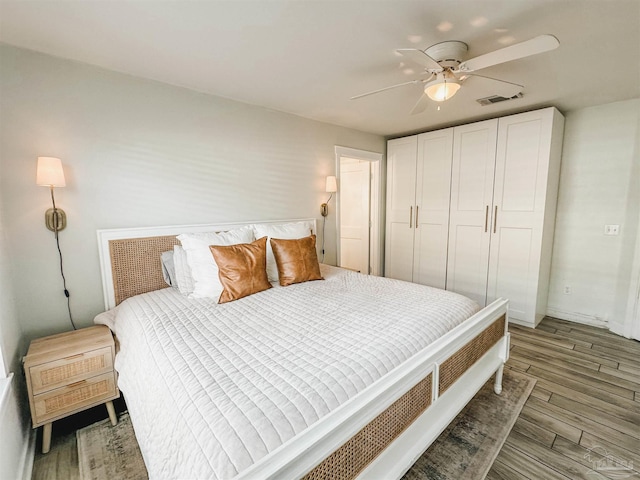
(140, 153)
(14, 421)
(16, 449)
(10, 331)
(599, 185)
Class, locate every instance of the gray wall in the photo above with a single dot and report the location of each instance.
(140, 153)
(14, 417)
(599, 185)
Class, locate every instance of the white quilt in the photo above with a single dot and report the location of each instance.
(212, 389)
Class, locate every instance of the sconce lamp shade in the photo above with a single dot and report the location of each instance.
(332, 185)
(49, 172)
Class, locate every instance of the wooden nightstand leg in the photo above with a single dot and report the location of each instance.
(46, 437)
(112, 413)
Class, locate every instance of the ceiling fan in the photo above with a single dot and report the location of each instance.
(445, 70)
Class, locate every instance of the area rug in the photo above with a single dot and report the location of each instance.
(107, 452)
(464, 451)
(469, 445)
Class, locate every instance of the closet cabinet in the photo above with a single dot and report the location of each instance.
(489, 230)
(418, 190)
(525, 195)
(471, 208)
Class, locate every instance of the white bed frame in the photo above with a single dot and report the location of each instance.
(299, 456)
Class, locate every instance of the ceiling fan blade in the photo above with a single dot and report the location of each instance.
(421, 106)
(540, 44)
(386, 88)
(421, 58)
(493, 86)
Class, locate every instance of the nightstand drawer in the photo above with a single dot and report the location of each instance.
(65, 371)
(77, 396)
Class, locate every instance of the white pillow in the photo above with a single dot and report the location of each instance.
(284, 231)
(168, 268)
(183, 278)
(203, 267)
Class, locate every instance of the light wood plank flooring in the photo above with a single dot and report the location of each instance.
(581, 421)
(61, 463)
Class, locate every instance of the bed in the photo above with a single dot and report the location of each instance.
(352, 376)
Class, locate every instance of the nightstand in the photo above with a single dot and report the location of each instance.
(68, 373)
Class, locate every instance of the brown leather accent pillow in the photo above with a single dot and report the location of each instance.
(242, 269)
(297, 260)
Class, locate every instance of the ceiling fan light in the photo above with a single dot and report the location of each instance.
(442, 88)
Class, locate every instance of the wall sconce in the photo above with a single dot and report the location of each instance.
(331, 187)
(49, 173)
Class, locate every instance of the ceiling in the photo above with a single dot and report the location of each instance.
(309, 57)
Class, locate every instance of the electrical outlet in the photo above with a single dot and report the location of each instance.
(567, 290)
(611, 229)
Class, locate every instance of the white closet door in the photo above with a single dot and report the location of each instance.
(522, 163)
(474, 153)
(433, 191)
(401, 188)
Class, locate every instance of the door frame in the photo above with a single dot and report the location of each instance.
(630, 327)
(376, 235)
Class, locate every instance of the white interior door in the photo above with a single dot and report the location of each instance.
(354, 214)
(375, 208)
(401, 188)
(433, 191)
(474, 154)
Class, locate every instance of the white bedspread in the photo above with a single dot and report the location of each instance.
(212, 389)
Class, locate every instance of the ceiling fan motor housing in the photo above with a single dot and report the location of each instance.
(448, 54)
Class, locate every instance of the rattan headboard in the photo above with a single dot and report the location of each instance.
(130, 257)
(135, 265)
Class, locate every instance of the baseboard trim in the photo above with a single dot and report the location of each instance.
(21, 450)
(619, 329)
(577, 318)
(522, 323)
(27, 469)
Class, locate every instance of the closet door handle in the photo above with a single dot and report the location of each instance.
(411, 216)
(417, 206)
(486, 219)
(495, 219)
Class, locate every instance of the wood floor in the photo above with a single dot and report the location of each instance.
(61, 463)
(582, 420)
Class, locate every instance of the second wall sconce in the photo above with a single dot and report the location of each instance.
(49, 173)
(331, 187)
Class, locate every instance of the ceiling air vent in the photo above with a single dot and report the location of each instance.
(496, 99)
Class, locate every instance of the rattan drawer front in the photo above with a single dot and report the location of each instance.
(75, 397)
(51, 375)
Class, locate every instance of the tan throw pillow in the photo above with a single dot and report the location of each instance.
(297, 260)
(242, 269)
